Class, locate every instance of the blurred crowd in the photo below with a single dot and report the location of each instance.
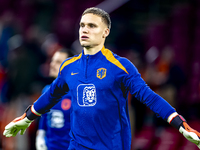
(161, 38)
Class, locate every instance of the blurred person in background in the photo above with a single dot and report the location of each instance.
(54, 126)
(24, 59)
(7, 30)
(99, 82)
(21, 83)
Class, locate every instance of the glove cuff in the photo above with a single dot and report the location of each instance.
(177, 121)
(31, 114)
(27, 120)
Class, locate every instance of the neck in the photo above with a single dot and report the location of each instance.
(92, 50)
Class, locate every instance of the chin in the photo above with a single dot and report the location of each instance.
(51, 74)
(86, 45)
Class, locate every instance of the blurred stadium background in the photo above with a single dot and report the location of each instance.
(161, 37)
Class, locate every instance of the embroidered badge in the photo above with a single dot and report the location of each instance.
(101, 73)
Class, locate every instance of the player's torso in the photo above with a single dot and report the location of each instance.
(91, 81)
(95, 83)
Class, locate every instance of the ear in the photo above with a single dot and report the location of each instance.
(106, 33)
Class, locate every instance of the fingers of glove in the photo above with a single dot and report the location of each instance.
(7, 133)
(14, 132)
(40, 143)
(41, 146)
(191, 136)
(11, 132)
(189, 129)
(23, 131)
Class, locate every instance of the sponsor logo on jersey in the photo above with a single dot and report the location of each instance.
(57, 119)
(101, 73)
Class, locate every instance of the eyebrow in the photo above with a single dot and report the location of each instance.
(88, 23)
(93, 24)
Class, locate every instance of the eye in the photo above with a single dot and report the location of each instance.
(92, 25)
(82, 25)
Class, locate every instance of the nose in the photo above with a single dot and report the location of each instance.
(84, 30)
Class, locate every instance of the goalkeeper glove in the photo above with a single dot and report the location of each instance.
(21, 123)
(180, 123)
(40, 140)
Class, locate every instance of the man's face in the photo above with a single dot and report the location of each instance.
(56, 61)
(92, 31)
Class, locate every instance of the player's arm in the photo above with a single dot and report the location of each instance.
(158, 105)
(142, 92)
(180, 123)
(42, 105)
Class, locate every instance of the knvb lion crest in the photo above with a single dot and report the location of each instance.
(89, 96)
(101, 73)
(86, 95)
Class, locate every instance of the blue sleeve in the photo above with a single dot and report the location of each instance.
(45, 88)
(52, 96)
(43, 122)
(43, 118)
(143, 93)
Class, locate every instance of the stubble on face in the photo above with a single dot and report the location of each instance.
(86, 46)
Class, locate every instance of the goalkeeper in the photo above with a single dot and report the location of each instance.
(99, 82)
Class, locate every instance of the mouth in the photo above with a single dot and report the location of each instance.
(84, 37)
(52, 69)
